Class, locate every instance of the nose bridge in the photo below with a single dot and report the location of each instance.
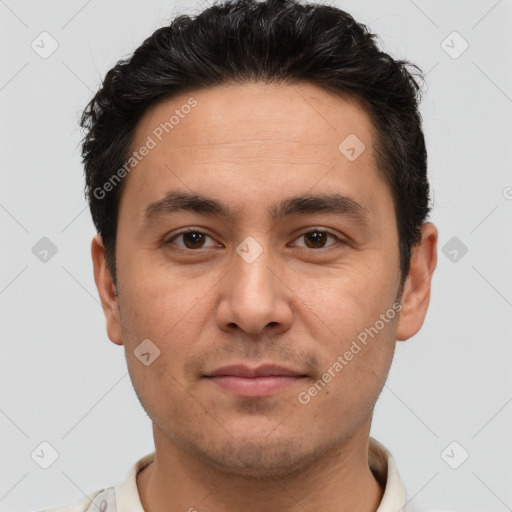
(253, 276)
(253, 296)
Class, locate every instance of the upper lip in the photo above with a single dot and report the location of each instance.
(264, 370)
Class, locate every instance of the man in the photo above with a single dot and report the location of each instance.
(257, 176)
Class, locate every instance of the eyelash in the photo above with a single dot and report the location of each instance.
(311, 230)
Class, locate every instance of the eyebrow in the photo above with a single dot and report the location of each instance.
(177, 201)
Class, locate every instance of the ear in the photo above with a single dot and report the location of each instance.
(106, 290)
(416, 294)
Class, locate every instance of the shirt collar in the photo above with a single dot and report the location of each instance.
(383, 467)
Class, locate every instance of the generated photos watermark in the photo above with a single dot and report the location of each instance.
(304, 397)
(137, 156)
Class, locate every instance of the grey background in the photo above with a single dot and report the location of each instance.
(65, 383)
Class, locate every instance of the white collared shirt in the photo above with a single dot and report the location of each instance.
(124, 497)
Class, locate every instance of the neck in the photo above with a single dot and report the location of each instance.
(339, 481)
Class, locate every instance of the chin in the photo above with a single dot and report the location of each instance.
(262, 459)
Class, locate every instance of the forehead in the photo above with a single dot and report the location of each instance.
(265, 113)
(253, 136)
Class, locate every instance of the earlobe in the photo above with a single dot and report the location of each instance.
(106, 290)
(416, 295)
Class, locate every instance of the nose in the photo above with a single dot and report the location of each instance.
(255, 296)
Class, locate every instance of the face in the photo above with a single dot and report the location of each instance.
(272, 321)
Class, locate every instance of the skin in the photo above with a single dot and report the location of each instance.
(297, 305)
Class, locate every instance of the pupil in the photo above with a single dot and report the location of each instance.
(320, 238)
(197, 238)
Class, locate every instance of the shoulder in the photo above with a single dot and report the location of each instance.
(121, 497)
(99, 498)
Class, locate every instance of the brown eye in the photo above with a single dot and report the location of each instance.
(317, 239)
(192, 239)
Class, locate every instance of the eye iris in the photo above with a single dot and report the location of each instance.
(319, 238)
(196, 238)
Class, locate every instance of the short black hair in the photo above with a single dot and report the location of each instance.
(274, 41)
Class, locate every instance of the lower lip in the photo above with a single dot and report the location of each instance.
(254, 386)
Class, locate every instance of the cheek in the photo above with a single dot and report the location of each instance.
(163, 395)
(353, 376)
(346, 299)
(158, 299)
(350, 313)
(156, 367)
